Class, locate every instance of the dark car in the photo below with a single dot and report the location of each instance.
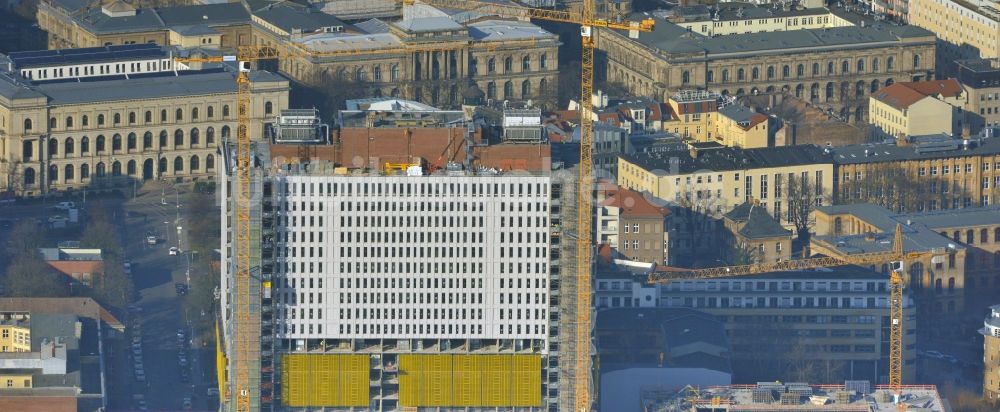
(181, 289)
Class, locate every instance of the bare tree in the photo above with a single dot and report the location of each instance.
(29, 276)
(892, 187)
(802, 197)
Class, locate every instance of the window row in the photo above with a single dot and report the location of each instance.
(412, 189)
(132, 118)
(69, 173)
(129, 143)
(771, 72)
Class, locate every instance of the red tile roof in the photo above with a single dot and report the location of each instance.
(898, 95)
(941, 88)
(633, 203)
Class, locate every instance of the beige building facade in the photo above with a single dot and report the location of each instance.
(967, 29)
(715, 180)
(991, 356)
(836, 68)
(99, 134)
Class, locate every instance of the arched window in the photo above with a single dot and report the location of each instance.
(99, 144)
(68, 146)
(178, 138)
(85, 145)
(69, 121)
(951, 284)
(360, 74)
(755, 74)
(29, 176)
(937, 285)
(837, 227)
(179, 115)
(525, 63)
(268, 108)
(147, 117)
(162, 166)
(225, 110)
(996, 234)
(875, 65)
(394, 73)
(53, 173)
(526, 89)
(84, 171)
(916, 61)
(889, 63)
(984, 236)
(53, 147)
(117, 118)
(815, 69)
(686, 77)
(209, 162)
(52, 123)
(970, 237)
(195, 136)
(178, 164)
(163, 115)
(116, 142)
(225, 132)
(861, 65)
(845, 67)
(163, 138)
(68, 174)
(829, 68)
(542, 61)
(85, 121)
(27, 125)
(130, 168)
(786, 71)
(100, 169)
(147, 140)
(210, 112)
(194, 163)
(210, 135)
(130, 142)
(377, 73)
(131, 117)
(800, 70)
(508, 65)
(491, 90)
(194, 113)
(741, 75)
(710, 77)
(916, 275)
(27, 149)
(508, 90)
(770, 72)
(491, 65)
(116, 168)
(100, 120)
(543, 86)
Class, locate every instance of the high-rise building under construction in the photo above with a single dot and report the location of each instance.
(406, 287)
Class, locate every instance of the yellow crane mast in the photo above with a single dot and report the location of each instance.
(897, 255)
(246, 330)
(585, 215)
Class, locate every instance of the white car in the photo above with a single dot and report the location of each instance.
(127, 266)
(66, 205)
(174, 251)
(58, 219)
(933, 354)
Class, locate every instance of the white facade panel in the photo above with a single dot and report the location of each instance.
(422, 257)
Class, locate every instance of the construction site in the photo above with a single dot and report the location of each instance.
(851, 396)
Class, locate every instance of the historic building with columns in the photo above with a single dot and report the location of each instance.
(141, 118)
(834, 68)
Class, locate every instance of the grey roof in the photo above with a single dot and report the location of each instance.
(37, 58)
(222, 13)
(876, 215)
(737, 112)
(673, 38)
(889, 152)
(497, 30)
(291, 17)
(917, 234)
(728, 158)
(975, 216)
(196, 30)
(745, 11)
(426, 24)
(72, 5)
(97, 22)
(194, 83)
(372, 26)
(50, 326)
(759, 223)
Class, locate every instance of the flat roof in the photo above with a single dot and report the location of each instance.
(499, 30)
(750, 398)
(291, 17)
(672, 38)
(743, 11)
(158, 19)
(119, 88)
(728, 158)
(890, 152)
(35, 58)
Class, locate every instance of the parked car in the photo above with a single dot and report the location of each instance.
(187, 403)
(65, 206)
(58, 219)
(127, 266)
(933, 354)
(213, 391)
(174, 251)
(151, 238)
(140, 375)
(181, 289)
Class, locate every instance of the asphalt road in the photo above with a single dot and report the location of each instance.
(154, 274)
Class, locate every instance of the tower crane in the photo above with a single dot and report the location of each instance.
(247, 329)
(896, 256)
(587, 20)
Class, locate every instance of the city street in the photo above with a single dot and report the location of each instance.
(158, 208)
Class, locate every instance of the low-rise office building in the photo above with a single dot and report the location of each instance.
(965, 29)
(711, 179)
(981, 80)
(64, 129)
(730, 18)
